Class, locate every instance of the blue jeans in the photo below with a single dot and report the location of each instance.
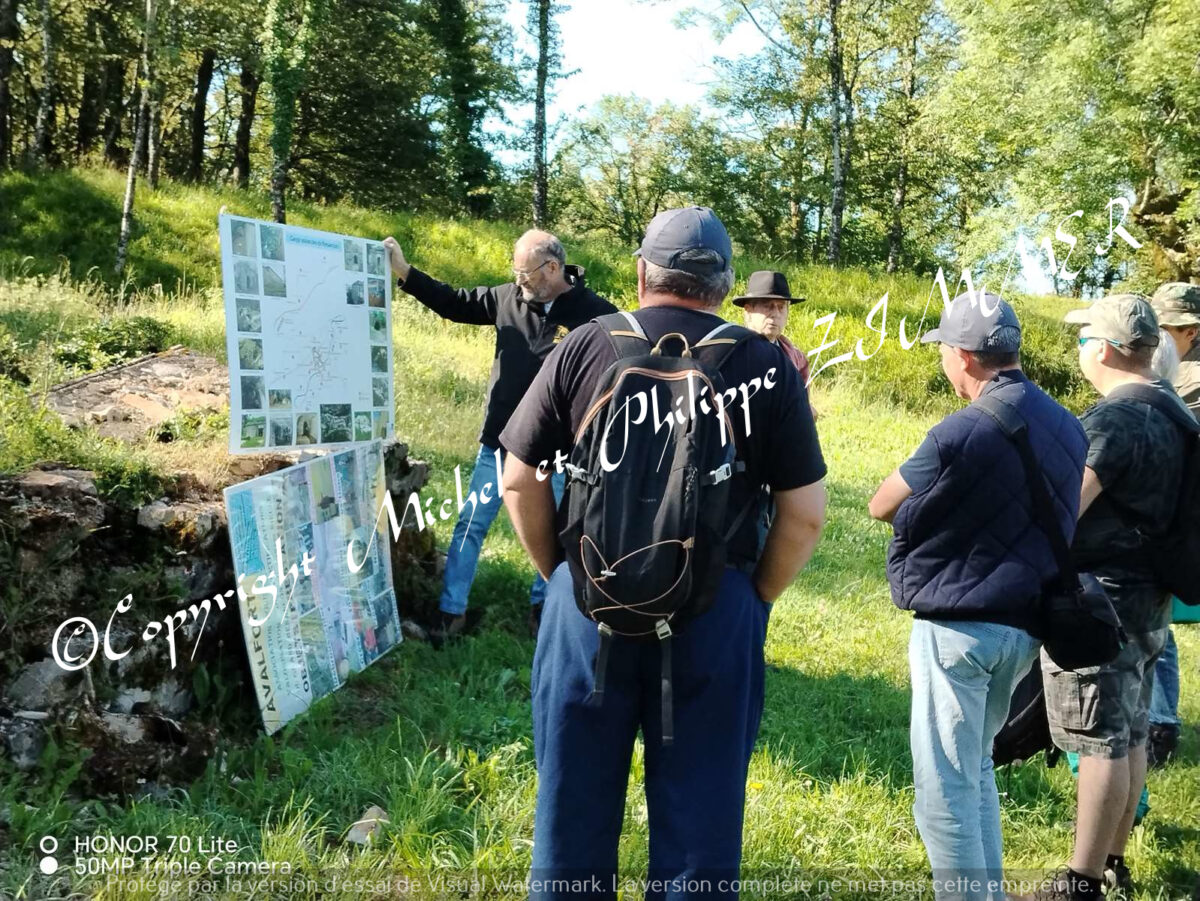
(963, 676)
(695, 787)
(474, 521)
(1164, 700)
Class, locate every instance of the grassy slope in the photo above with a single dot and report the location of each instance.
(442, 740)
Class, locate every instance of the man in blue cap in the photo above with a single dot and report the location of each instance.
(695, 785)
(969, 560)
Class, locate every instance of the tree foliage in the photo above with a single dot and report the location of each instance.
(906, 134)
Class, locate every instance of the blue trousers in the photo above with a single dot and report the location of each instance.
(963, 675)
(474, 521)
(695, 787)
(1164, 700)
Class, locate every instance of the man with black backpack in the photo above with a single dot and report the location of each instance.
(669, 423)
(1139, 434)
(976, 540)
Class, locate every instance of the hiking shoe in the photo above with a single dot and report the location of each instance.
(1118, 882)
(1161, 745)
(535, 619)
(1067, 885)
(448, 628)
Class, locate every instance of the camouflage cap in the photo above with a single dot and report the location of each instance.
(1177, 304)
(1127, 319)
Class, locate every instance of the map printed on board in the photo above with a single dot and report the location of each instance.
(308, 627)
(308, 330)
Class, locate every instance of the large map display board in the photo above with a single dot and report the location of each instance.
(306, 633)
(308, 329)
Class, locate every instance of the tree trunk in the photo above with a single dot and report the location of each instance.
(899, 193)
(285, 62)
(539, 115)
(204, 76)
(8, 39)
(241, 147)
(114, 110)
(43, 135)
(154, 140)
(139, 138)
(142, 136)
(281, 147)
(837, 203)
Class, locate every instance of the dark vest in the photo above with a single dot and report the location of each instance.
(966, 547)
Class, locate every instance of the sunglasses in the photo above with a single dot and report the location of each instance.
(1083, 341)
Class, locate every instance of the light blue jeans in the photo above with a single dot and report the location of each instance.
(1164, 700)
(963, 676)
(474, 521)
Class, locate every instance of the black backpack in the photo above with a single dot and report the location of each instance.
(646, 516)
(1026, 731)
(1175, 556)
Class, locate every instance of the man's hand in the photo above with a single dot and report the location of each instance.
(400, 265)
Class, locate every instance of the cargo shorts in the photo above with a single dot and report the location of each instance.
(1103, 711)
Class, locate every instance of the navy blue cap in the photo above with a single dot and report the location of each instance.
(673, 232)
(978, 322)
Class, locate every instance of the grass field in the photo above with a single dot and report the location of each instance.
(442, 740)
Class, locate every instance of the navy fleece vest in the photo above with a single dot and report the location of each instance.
(966, 547)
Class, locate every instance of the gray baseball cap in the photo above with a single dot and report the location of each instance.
(673, 232)
(981, 323)
(1127, 319)
(1177, 304)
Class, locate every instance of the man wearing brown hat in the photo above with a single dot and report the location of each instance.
(765, 310)
(1177, 305)
(1131, 485)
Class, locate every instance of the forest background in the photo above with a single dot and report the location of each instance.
(903, 134)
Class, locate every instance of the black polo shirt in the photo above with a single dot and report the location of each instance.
(779, 447)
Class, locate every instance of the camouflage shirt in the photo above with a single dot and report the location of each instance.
(1137, 452)
(1187, 379)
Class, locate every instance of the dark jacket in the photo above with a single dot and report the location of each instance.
(525, 333)
(966, 546)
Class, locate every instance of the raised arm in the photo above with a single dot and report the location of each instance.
(474, 307)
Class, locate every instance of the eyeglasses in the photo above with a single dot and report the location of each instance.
(521, 273)
(1083, 341)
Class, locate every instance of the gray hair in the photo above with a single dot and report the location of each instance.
(1165, 364)
(708, 289)
(551, 247)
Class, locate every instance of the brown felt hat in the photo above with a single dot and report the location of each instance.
(767, 285)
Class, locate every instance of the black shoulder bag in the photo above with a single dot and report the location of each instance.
(1080, 628)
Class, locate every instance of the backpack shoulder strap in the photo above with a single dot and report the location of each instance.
(1006, 415)
(722, 341)
(1148, 394)
(1013, 424)
(625, 333)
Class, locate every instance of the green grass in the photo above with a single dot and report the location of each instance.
(442, 740)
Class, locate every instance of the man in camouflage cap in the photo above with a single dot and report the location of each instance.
(1131, 484)
(1177, 305)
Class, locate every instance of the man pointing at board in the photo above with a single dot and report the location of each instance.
(531, 314)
